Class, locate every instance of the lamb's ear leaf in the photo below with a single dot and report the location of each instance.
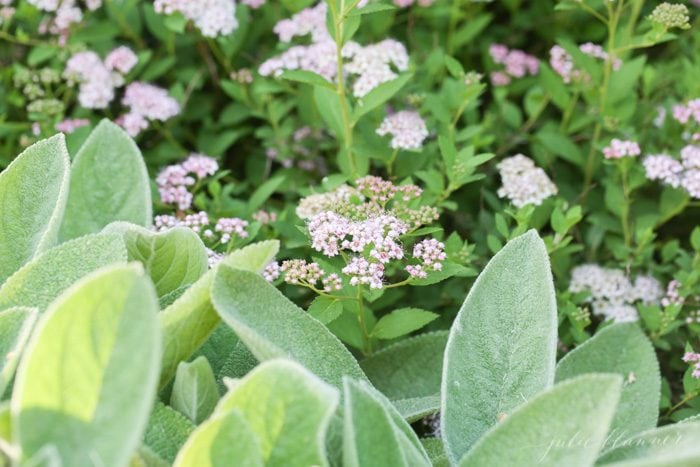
(166, 432)
(565, 425)
(502, 346)
(15, 326)
(87, 380)
(271, 326)
(374, 432)
(624, 349)
(108, 183)
(188, 322)
(195, 392)
(671, 445)
(45, 277)
(173, 259)
(286, 408)
(33, 193)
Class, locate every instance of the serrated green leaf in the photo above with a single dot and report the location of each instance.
(167, 431)
(33, 193)
(380, 95)
(325, 309)
(189, 321)
(374, 432)
(625, 350)
(502, 345)
(41, 280)
(195, 393)
(673, 445)
(401, 322)
(288, 409)
(173, 259)
(108, 183)
(72, 390)
(271, 326)
(15, 326)
(307, 77)
(565, 425)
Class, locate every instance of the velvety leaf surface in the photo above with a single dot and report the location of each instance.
(72, 390)
(108, 183)
(173, 259)
(195, 392)
(374, 433)
(502, 345)
(33, 193)
(41, 280)
(672, 445)
(271, 326)
(624, 349)
(15, 326)
(189, 321)
(288, 409)
(222, 441)
(564, 426)
(167, 431)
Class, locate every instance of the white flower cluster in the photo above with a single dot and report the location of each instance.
(618, 149)
(407, 130)
(212, 17)
(523, 182)
(98, 79)
(369, 65)
(314, 204)
(672, 172)
(612, 294)
(66, 13)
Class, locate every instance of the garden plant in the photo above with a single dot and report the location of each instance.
(349, 233)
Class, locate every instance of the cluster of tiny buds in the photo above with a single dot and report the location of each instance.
(671, 15)
(407, 129)
(301, 272)
(672, 296)
(271, 272)
(173, 180)
(229, 227)
(618, 149)
(265, 217)
(693, 358)
(693, 317)
(243, 76)
(382, 191)
(516, 63)
(69, 125)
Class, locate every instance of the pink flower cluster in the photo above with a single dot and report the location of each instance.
(684, 112)
(694, 358)
(271, 272)
(99, 79)
(173, 180)
(146, 103)
(382, 191)
(408, 3)
(69, 125)
(672, 172)
(212, 17)
(516, 63)
(431, 254)
(563, 63)
(407, 130)
(254, 4)
(618, 149)
(265, 217)
(231, 226)
(66, 13)
(596, 51)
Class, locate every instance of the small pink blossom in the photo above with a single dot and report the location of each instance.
(618, 149)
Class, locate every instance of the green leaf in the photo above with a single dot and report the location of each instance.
(288, 409)
(33, 193)
(189, 321)
(307, 77)
(330, 109)
(416, 408)
(401, 322)
(173, 259)
(167, 431)
(380, 95)
(326, 309)
(263, 192)
(374, 432)
(220, 441)
(108, 183)
(195, 392)
(410, 368)
(623, 349)
(502, 345)
(88, 377)
(565, 425)
(271, 326)
(673, 445)
(15, 326)
(41, 280)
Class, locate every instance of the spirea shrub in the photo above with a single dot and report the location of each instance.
(349, 232)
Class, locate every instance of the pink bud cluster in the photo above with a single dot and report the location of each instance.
(66, 13)
(271, 272)
(618, 149)
(694, 358)
(298, 271)
(254, 4)
(382, 191)
(146, 103)
(69, 125)
(563, 63)
(363, 272)
(407, 130)
(673, 296)
(229, 227)
(672, 172)
(197, 222)
(596, 51)
(516, 64)
(408, 3)
(431, 254)
(265, 217)
(98, 80)
(683, 113)
(173, 180)
(212, 17)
